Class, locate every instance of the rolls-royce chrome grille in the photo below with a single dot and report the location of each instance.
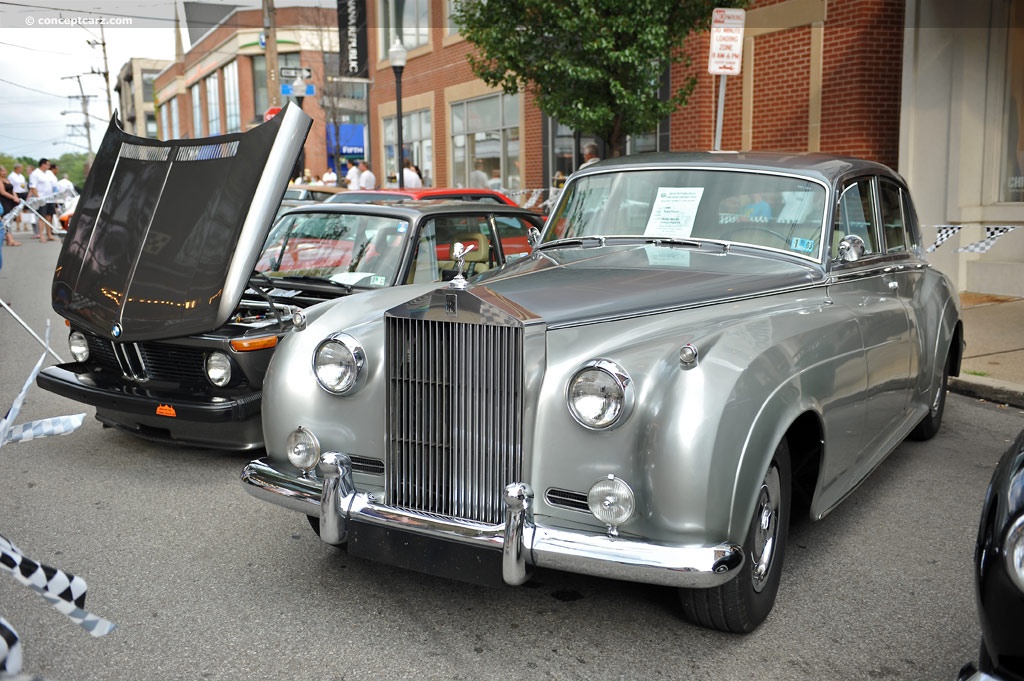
(455, 404)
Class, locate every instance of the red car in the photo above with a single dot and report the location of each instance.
(398, 195)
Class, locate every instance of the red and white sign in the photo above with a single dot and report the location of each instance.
(271, 112)
(726, 54)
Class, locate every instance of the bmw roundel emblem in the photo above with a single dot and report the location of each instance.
(115, 330)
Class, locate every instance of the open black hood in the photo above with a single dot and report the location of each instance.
(166, 233)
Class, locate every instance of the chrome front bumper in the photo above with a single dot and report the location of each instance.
(332, 496)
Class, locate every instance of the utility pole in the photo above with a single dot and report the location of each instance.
(85, 110)
(106, 70)
(270, 36)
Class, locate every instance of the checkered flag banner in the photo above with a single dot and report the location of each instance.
(58, 425)
(943, 233)
(992, 234)
(62, 590)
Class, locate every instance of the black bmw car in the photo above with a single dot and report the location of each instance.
(999, 574)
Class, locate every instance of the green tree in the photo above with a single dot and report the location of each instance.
(594, 65)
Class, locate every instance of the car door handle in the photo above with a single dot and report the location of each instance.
(894, 285)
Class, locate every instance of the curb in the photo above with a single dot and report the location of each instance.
(989, 389)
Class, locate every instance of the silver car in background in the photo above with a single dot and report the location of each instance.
(697, 347)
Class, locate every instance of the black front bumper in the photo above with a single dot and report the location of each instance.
(164, 415)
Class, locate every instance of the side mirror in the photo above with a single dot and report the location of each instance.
(851, 248)
(533, 237)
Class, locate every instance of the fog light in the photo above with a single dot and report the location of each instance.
(611, 501)
(303, 449)
(1014, 552)
(218, 369)
(79, 346)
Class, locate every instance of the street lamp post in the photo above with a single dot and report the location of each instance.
(397, 55)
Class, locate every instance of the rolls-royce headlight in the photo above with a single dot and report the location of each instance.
(303, 449)
(611, 501)
(79, 346)
(1014, 552)
(218, 368)
(600, 395)
(339, 364)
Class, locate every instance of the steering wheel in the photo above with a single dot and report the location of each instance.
(752, 234)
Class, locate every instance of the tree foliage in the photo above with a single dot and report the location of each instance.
(594, 65)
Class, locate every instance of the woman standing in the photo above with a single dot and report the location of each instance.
(8, 200)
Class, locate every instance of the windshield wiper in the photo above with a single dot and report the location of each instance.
(571, 241)
(319, 280)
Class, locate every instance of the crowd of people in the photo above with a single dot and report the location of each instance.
(357, 174)
(30, 201)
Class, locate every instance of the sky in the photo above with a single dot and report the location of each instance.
(45, 44)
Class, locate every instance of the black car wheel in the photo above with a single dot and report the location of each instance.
(929, 425)
(742, 603)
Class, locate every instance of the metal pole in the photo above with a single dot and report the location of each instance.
(398, 104)
(34, 334)
(721, 113)
(270, 35)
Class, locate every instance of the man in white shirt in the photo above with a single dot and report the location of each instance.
(20, 187)
(330, 178)
(367, 180)
(410, 178)
(352, 174)
(43, 184)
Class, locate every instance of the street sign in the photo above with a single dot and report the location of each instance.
(291, 90)
(271, 112)
(295, 72)
(726, 53)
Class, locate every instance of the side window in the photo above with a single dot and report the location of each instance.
(856, 216)
(893, 223)
(514, 234)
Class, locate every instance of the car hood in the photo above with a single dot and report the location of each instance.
(166, 233)
(579, 285)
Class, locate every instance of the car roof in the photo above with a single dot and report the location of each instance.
(420, 192)
(827, 167)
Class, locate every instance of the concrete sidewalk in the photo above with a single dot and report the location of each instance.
(993, 363)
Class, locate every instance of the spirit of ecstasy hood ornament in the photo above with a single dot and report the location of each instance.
(458, 254)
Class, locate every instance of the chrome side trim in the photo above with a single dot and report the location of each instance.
(521, 541)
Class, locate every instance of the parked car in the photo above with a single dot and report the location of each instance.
(137, 283)
(395, 195)
(698, 346)
(999, 573)
(311, 192)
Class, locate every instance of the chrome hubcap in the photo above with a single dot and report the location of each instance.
(766, 530)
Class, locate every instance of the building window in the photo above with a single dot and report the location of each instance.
(147, 85)
(232, 109)
(453, 28)
(1012, 185)
(416, 146)
(151, 130)
(407, 20)
(259, 80)
(485, 142)
(197, 112)
(175, 120)
(213, 104)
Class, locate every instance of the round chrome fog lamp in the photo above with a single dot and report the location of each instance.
(611, 501)
(339, 363)
(600, 395)
(303, 449)
(79, 346)
(1013, 549)
(218, 369)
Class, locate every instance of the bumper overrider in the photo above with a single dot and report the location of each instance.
(332, 497)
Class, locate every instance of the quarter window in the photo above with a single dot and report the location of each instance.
(894, 226)
(856, 216)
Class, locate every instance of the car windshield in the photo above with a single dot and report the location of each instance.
(754, 208)
(358, 250)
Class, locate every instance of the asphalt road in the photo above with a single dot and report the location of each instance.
(205, 582)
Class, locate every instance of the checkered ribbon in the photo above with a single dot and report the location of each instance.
(992, 234)
(63, 590)
(10, 649)
(58, 425)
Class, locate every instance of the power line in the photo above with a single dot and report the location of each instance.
(26, 87)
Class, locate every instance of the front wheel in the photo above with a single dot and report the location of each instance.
(742, 603)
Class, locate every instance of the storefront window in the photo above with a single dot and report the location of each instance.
(407, 20)
(485, 143)
(231, 105)
(416, 146)
(1012, 186)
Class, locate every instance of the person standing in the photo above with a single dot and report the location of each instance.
(330, 178)
(20, 188)
(478, 178)
(410, 178)
(589, 155)
(40, 186)
(352, 174)
(367, 180)
(8, 200)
